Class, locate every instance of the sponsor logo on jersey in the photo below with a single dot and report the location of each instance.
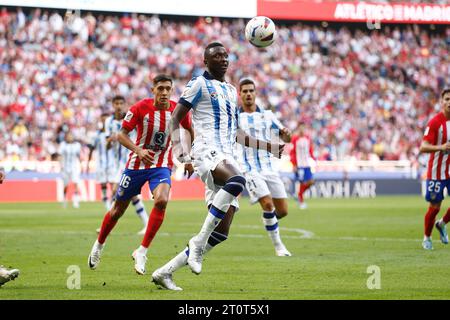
(128, 116)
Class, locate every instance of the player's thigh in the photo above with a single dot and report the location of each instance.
(224, 170)
(160, 182)
(435, 190)
(276, 186)
(257, 187)
(213, 166)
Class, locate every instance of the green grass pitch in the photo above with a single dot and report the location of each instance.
(333, 242)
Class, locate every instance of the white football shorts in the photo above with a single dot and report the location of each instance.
(71, 175)
(259, 186)
(205, 160)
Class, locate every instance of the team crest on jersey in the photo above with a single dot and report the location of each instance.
(214, 95)
(128, 116)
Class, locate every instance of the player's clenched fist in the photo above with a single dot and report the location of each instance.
(145, 156)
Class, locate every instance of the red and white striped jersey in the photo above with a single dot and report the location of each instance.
(436, 133)
(152, 125)
(302, 151)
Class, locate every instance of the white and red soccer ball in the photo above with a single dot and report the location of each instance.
(260, 31)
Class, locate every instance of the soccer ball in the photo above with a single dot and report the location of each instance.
(260, 31)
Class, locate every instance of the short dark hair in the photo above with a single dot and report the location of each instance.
(212, 45)
(243, 82)
(162, 77)
(118, 97)
(444, 92)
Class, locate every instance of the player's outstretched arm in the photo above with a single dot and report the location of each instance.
(427, 147)
(125, 140)
(180, 151)
(248, 141)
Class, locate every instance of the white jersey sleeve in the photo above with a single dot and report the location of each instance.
(192, 93)
(108, 126)
(276, 124)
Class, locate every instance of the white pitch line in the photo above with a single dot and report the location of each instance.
(303, 234)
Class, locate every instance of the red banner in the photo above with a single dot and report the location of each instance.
(354, 12)
(52, 190)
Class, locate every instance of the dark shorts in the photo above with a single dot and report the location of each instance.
(435, 190)
(131, 181)
(304, 174)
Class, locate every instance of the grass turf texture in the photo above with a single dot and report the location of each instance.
(349, 235)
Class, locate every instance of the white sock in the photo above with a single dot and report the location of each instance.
(211, 222)
(140, 211)
(142, 250)
(426, 238)
(75, 200)
(271, 223)
(98, 245)
(180, 260)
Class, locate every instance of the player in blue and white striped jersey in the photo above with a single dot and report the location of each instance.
(105, 159)
(259, 166)
(113, 124)
(69, 152)
(214, 105)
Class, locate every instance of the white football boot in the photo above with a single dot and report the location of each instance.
(195, 258)
(7, 275)
(95, 255)
(164, 279)
(140, 259)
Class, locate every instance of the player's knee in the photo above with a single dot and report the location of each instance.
(235, 185)
(267, 205)
(435, 205)
(281, 213)
(161, 203)
(116, 211)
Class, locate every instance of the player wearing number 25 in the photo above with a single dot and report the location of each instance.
(150, 160)
(436, 142)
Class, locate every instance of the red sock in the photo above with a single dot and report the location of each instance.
(429, 220)
(107, 225)
(303, 188)
(446, 218)
(154, 222)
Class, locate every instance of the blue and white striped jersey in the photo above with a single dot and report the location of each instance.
(104, 157)
(263, 125)
(214, 111)
(70, 156)
(113, 126)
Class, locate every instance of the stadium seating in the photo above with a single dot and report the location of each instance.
(364, 94)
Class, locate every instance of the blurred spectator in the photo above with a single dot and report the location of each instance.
(364, 94)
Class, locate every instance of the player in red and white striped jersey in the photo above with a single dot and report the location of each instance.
(150, 160)
(302, 155)
(436, 142)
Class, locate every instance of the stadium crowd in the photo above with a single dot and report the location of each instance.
(363, 94)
